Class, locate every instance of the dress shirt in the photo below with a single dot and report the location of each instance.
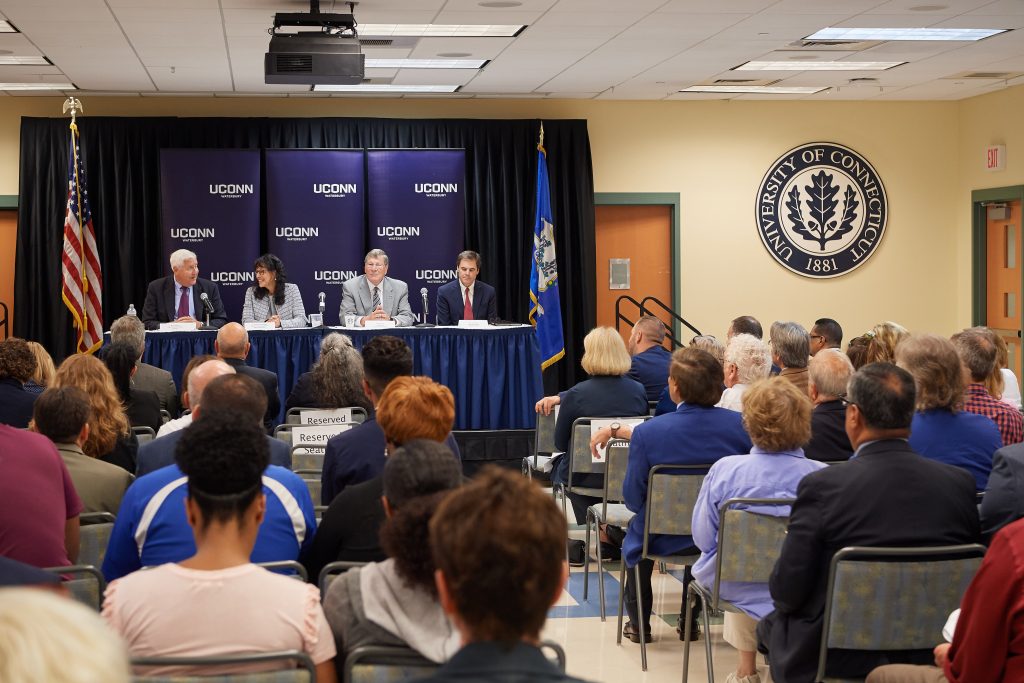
(732, 397)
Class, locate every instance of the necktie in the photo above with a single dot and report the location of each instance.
(183, 303)
(467, 312)
(376, 298)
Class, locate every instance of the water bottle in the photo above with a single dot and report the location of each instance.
(131, 310)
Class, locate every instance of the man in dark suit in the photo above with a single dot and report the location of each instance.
(886, 495)
(650, 359)
(130, 330)
(466, 298)
(233, 393)
(1003, 502)
(178, 297)
(829, 372)
(232, 347)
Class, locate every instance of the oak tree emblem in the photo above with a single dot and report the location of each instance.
(818, 221)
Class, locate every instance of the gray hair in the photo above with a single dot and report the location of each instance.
(751, 357)
(376, 253)
(180, 256)
(128, 329)
(792, 343)
(338, 374)
(977, 351)
(830, 372)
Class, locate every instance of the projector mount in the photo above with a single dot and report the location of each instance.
(335, 24)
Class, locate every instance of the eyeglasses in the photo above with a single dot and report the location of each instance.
(816, 336)
(845, 401)
(260, 271)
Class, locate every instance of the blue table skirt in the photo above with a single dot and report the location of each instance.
(494, 374)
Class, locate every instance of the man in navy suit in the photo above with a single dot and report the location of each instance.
(232, 347)
(466, 298)
(230, 392)
(178, 297)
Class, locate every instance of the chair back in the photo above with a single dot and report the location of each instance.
(582, 462)
(749, 542)
(165, 416)
(313, 482)
(302, 671)
(544, 437)
(893, 598)
(332, 570)
(385, 664)
(616, 459)
(143, 434)
(306, 459)
(671, 494)
(290, 568)
(94, 536)
(86, 583)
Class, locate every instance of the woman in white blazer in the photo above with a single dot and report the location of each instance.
(273, 299)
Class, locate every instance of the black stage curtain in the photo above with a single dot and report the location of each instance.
(121, 157)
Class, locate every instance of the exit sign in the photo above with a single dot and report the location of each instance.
(995, 158)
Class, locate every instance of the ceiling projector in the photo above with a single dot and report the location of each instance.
(330, 55)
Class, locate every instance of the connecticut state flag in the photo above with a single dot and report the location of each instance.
(545, 312)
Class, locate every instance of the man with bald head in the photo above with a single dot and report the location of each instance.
(829, 372)
(192, 393)
(232, 346)
(650, 358)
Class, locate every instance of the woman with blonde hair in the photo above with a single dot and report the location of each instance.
(608, 393)
(110, 437)
(882, 342)
(45, 369)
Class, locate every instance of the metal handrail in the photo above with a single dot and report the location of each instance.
(644, 310)
(4, 322)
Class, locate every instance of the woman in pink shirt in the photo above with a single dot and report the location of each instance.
(217, 602)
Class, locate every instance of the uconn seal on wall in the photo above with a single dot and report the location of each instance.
(821, 210)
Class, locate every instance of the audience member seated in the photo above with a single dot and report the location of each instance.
(17, 364)
(18, 574)
(187, 400)
(179, 296)
(882, 342)
(335, 381)
(790, 347)
(857, 350)
(49, 638)
(747, 359)
(273, 299)
(1004, 495)
(110, 437)
(212, 601)
(830, 371)
(650, 358)
(357, 454)
(778, 419)
(394, 602)
(608, 393)
(697, 433)
(1003, 383)
(225, 391)
(977, 350)
(141, 407)
(708, 342)
(62, 415)
(745, 324)
(886, 495)
(825, 334)
(44, 372)
(130, 330)
(941, 430)
(232, 347)
(38, 504)
(499, 547)
(985, 645)
(410, 408)
(152, 528)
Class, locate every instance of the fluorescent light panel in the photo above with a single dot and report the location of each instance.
(816, 66)
(832, 33)
(378, 87)
(5, 27)
(755, 89)
(37, 86)
(441, 30)
(425, 63)
(16, 60)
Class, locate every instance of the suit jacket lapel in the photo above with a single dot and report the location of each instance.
(170, 289)
(385, 295)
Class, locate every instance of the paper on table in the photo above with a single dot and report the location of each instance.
(260, 326)
(177, 327)
(380, 324)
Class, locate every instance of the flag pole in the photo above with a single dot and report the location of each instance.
(75, 105)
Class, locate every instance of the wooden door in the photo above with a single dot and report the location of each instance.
(642, 234)
(1003, 285)
(8, 242)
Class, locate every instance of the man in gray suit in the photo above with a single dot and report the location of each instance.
(374, 296)
(130, 330)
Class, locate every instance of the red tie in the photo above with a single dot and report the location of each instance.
(467, 312)
(183, 303)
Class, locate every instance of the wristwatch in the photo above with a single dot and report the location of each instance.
(615, 427)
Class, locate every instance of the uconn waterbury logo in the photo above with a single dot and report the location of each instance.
(821, 210)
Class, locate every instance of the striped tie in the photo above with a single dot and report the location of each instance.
(376, 298)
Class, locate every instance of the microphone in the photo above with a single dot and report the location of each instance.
(423, 293)
(207, 305)
(323, 305)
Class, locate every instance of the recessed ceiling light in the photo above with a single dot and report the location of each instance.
(816, 66)
(755, 89)
(500, 4)
(7, 27)
(24, 60)
(38, 86)
(442, 30)
(425, 63)
(380, 88)
(832, 33)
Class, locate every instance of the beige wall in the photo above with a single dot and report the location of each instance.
(714, 155)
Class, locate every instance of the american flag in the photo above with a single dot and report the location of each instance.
(83, 280)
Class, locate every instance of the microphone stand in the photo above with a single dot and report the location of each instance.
(425, 323)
